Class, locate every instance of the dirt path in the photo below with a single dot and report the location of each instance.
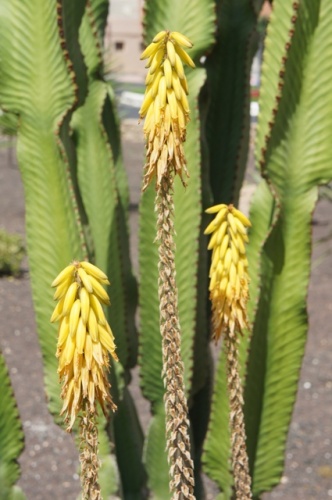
(49, 462)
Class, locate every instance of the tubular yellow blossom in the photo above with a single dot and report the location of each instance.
(165, 106)
(82, 351)
(229, 278)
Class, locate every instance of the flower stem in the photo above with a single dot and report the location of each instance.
(89, 457)
(240, 464)
(176, 408)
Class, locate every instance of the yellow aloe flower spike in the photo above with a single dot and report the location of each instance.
(82, 352)
(85, 341)
(165, 106)
(229, 279)
(229, 295)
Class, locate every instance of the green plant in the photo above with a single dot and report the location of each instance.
(8, 124)
(11, 252)
(187, 222)
(77, 197)
(42, 81)
(294, 155)
(11, 438)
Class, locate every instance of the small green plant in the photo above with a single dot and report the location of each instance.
(8, 124)
(11, 252)
(11, 438)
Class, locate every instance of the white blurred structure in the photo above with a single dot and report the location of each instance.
(124, 40)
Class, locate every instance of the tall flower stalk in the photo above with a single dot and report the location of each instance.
(166, 111)
(85, 340)
(229, 295)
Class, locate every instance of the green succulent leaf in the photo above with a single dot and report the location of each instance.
(150, 355)
(155, 456)
(71, 14)
(97, 183)
(113, 187)
(104, 189)
(11, 435)
(35, 85)
(217, 446)
(129, 440)
(100, 9)
(90, 42)
(228, 83)
(227, 131)
(295, 154)
(195, 20)
(188, 208)
(108, 473)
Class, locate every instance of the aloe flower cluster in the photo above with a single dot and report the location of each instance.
(85, 339)
(165, 106)
(229, 280)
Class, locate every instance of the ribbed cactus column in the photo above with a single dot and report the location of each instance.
(167, 113)
(229, 295)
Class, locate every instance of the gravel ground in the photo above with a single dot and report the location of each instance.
(49, 462)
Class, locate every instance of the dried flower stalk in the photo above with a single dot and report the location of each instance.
(89, 457)
(177, 423)
(240, 463)
(166, 109)
(229, 295)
